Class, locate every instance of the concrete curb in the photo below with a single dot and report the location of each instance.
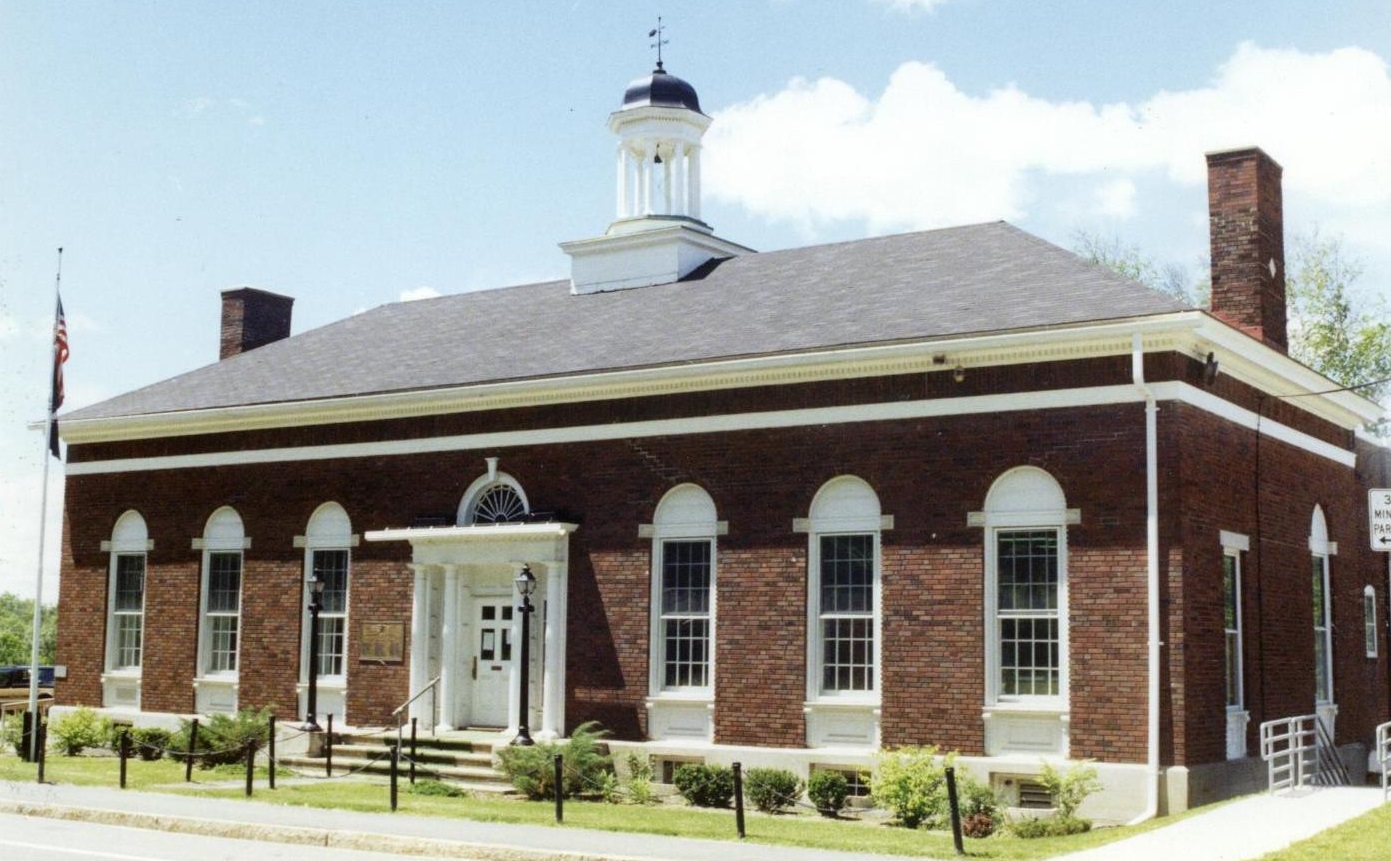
(304, 836)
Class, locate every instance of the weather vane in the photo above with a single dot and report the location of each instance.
(660, 41)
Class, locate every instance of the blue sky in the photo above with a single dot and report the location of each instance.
(352, 153)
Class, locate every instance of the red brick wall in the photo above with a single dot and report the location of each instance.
(928, 474)
(1220, 489)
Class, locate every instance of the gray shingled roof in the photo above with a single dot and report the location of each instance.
(958, 281)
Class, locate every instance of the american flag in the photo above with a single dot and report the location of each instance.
(60, 355)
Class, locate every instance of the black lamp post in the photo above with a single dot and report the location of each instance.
(526, 585)
(316, 593)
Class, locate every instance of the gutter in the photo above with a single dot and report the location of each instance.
(1137, 370)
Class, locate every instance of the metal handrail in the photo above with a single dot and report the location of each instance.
(396, 713)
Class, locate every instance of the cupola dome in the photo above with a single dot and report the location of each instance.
(660, 90)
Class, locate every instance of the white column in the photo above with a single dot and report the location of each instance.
(420, 641)
(449, 650)
(678, 179)
(553, 694)
(694, 204)
(514, 681)
(622, 191)
(646, 171)
(667, 174)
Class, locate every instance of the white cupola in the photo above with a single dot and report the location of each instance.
(657, 236)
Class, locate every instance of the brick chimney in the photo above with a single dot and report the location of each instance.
(252, 318)
(1247, 229)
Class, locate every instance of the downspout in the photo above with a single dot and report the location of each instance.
(1137, 369)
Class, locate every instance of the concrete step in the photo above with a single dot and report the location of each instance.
(464, 762)
(422, 754)
(472, 780)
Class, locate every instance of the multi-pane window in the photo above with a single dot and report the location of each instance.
(1231, 624)
(1369, 620)
(1027, 612)
(128, 611)
(1323, 641)
(846, 612)
(685, 614)
(331, 568)
(500, 503)
(223, 610)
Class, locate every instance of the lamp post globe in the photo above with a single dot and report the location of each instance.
(526, 585)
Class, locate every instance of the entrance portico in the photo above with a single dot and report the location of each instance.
(465, 629)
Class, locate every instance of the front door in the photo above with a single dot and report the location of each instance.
(492, 662)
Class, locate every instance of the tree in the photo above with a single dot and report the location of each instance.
(1334, 326)
(16, 628)
(1128, 260)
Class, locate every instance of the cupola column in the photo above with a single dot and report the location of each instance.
(694, 181)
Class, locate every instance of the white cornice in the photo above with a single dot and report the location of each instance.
(1192, 332)
(708, 424)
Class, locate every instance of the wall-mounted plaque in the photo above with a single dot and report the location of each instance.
(382, 642)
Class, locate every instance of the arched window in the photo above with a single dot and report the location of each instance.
(126, 603)
(1320, 550)
(1026, 589)
(843, 590)
(327, 540)
(497, 498)
(224, 539)
(683, 590)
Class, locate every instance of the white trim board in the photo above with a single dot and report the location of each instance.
(893, 411)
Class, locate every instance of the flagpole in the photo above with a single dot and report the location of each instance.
(43, 522)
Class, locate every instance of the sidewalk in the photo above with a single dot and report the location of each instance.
(1243, 829)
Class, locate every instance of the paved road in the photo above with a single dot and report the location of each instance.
(24, 838)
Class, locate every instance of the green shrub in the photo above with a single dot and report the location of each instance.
(12, 732)
(80, 729)
(222, 738)
(587, 765)
(149, 742)
(980, 807)
(638, 783)
(828, 791)
(1069, 788)
(911, 782)
(705, 785)
(772, 790)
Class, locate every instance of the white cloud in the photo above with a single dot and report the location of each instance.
(925, 154)
(198, 104)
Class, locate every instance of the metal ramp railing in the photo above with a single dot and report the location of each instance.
(1299, 751)
(1289, 747)
(1383, 755)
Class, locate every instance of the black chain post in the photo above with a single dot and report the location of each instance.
(192, 746)
(250, 766)
(42, 748)
(270, 752)
(955, 811)
(414, 721)
(739, 798)
(26, 736)
(125, 755)
(395, 762)
(328, 748)
(559, 788)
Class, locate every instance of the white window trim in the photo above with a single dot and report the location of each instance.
(484, 482)
(309, 551)
(211, 544)
(1369, 620)
(1322, 549)
(816, 528)
(668, 529)
(136, 542)
(1233, 552)
(997, 518)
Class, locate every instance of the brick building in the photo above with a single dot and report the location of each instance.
(956, 487)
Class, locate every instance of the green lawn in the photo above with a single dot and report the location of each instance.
(1362, 839)
(802, 829)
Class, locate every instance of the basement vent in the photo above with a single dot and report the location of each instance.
(1034, 796)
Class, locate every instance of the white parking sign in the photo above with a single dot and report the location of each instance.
(1379, 517)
